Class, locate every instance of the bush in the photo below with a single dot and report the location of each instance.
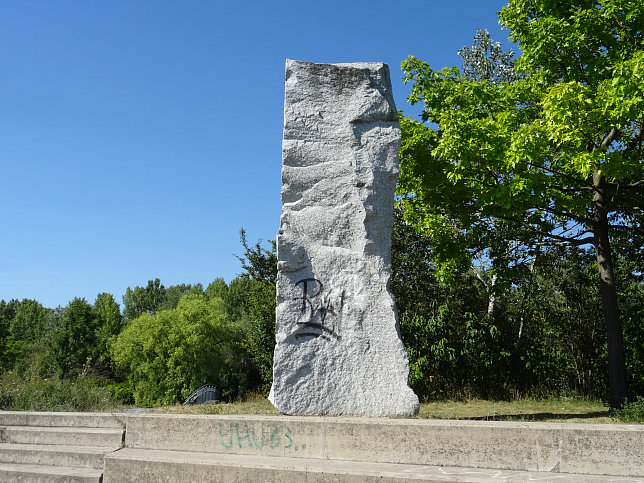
(632, 412)
(122, 392)
(42, 394)
(168, 355)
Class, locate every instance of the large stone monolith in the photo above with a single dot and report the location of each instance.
(338, 346)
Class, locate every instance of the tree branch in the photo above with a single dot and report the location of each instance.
(635, 141)
(571, 241)
(559, 173)
(608, 139)
(637, 184)
(622, 227)
(580, 219)
(572, 190)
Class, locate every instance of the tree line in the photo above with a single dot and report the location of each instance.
(164, 344)
(542, 336)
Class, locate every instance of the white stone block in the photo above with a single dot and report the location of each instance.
(338, 346)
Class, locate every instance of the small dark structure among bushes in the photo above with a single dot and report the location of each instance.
(206, 394)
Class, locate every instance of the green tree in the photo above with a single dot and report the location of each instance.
(108, 324)
(217, 289)
(74, 345)
(142, 300)
(486, 61)
(630, 288)
(553, 157)
(413, 280)
(171, 353)
(174, 293)
(559, 341)
(258, 262)
(8, 311)
(252, 296)
(29, 321)
(9, 348)
(53, 322)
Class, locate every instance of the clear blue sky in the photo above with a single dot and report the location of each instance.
(138, 137)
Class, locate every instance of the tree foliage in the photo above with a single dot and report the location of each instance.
(75, 343)
(252, 296)
(550, 157)
(546, 338)
(29, 321)
(258, 262)
(143, 300)
(486, 61)
(169, 354)
(155, 297)
(9, 348)
(108, 325)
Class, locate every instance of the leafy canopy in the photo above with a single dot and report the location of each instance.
(550, 155)
(512, 156)
(171, 353)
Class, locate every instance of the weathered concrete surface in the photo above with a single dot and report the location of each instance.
(53, 454)
(60, 419)
(107, 437)
(338, 346)
(542, 447)
(161, 447)
(56, 447)
(132, 465)
(23, 473)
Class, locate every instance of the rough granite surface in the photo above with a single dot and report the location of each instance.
(338, 348)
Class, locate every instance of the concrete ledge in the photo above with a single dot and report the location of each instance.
(55, 455)
(10, 473)
(111, 437)
(140, 465)
(550, 447)
(66, 419)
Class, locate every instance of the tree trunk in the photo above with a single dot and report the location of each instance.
(489, 288)
(491, 298)
(616, 362)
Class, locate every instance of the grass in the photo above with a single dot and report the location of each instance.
(252, 405)
(546, 410)
(567, 410)
(632, 412)
(88, 395)
(43, 394)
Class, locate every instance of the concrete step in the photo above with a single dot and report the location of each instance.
(141, 465)
(54, 455)
(108, 437)
(569, 448)
(62, 419)
(27, 473)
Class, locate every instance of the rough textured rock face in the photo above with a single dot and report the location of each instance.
(338, 346)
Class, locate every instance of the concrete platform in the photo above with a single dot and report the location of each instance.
(592, 449)
(174, 447)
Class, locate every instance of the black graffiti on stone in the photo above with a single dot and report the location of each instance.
(320, 310)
